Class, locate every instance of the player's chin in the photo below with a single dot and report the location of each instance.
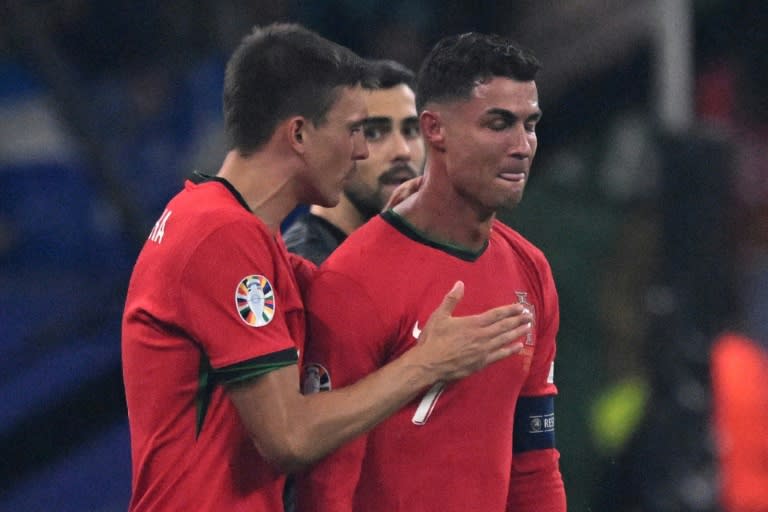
(328, 198)
(511, 201)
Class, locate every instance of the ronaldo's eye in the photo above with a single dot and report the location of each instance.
(498, 125)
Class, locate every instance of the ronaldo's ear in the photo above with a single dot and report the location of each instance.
(294, 131)
(432, 129)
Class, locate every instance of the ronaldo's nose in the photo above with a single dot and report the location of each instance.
(521, 146)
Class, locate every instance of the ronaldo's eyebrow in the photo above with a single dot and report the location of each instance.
(510, 117)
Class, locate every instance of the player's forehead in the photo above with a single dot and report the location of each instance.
(395, 102)
(500, 93)
(349, 105)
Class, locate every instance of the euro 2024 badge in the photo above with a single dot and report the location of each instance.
(255, 300)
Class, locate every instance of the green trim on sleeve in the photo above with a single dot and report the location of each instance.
(204, 390)
(246, 370)
(243, 371)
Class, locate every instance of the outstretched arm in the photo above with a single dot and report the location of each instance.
(293, 430)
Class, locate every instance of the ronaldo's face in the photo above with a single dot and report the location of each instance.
(395, 149)
(490, 142)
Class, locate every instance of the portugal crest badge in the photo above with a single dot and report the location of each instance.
(522, 298)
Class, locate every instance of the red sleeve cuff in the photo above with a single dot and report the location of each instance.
(536, 484)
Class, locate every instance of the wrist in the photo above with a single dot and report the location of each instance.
(417, 369)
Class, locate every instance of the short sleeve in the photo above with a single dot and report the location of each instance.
(540, 380)
(230, 291)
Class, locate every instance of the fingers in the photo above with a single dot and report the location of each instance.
(510, 337)
(505, 336)
(485, 319)
(450, 301)
(403, 191)
(465, 344)
(503, 352)
(500, 314)
(500, 346)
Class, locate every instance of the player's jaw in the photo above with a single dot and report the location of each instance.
(339, 184)
(513, 187)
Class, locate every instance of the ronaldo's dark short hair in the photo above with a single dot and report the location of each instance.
(281, 70)
(456, 64)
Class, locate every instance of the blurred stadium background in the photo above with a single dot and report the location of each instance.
(649, 195)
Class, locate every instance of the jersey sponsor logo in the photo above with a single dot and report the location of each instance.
(522, 298)
(255, 300)
(416, 332)
(316, 379)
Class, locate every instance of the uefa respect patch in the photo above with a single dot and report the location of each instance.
(255, 300)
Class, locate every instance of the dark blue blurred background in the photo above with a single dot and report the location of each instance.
(649, 195)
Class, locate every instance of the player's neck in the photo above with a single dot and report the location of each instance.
(344, 215)
(446, 217)
(265, 184)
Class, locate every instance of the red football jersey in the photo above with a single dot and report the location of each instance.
(451, 449)
(739, 368)
(212, 300)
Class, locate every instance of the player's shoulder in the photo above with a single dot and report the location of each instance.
(212, 206)
(362, 248)
(202, 223)
(518, 242)
(363, 261)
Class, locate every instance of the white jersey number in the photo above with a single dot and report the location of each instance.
(427, 404)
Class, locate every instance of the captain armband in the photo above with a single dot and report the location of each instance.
(534, 423)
